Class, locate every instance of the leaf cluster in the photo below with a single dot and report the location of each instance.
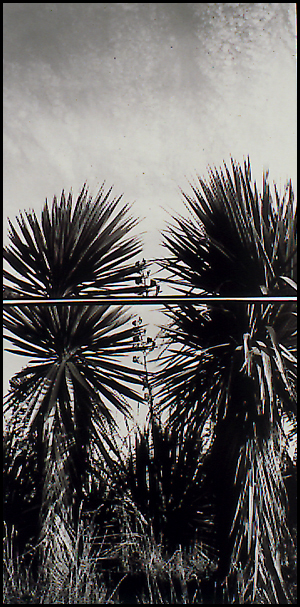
(230, 368)
(73, 249)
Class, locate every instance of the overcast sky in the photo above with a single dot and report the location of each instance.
(144, 96)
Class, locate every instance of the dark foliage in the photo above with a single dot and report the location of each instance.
(63, 403)
(165, 479)
(232, 372)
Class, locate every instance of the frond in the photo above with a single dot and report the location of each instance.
(73, 249)
(237, 242)
(260, 531)
(165, 479)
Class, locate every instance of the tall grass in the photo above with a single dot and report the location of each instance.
(134, 569)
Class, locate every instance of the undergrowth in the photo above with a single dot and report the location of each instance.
(105, 563)
(133, 570)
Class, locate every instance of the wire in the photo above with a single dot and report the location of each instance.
(144, 300)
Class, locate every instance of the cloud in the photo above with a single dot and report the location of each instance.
(144, 97)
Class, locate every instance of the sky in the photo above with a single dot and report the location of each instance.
(143, 96)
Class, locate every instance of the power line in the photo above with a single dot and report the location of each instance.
(145, 300)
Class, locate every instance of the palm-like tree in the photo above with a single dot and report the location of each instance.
(232, 372)
(65, 396)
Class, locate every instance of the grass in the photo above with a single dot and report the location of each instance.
(132, 571)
